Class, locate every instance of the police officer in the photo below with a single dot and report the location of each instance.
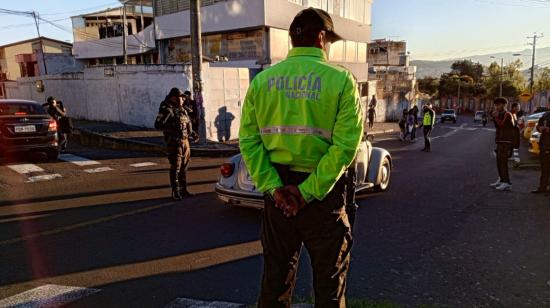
(428, 123)
(300, 129)
(174, 121)
(544, 129)
(192, 110)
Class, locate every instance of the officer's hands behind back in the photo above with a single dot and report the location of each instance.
(289, 200)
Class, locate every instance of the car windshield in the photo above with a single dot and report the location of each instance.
(535, 116)
(449, 111)
(21, 108)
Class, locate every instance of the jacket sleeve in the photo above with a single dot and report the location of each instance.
(253, 151)
(161, 122)
(346, 136)
(432, 114)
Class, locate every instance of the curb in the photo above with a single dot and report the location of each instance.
(89, 138)
(381, 132)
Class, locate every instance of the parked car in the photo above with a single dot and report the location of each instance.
(478, 117)
(534, 141)
(235, 187)
(448, 115)
(531, 121)
(25, 126)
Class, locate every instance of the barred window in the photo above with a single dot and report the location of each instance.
(165, 7)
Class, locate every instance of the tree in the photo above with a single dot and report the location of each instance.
(428, 85)
(513, 81)
(542, 81)
(469, 68)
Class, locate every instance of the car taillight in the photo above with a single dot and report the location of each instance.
(227, 170)
(52, 126)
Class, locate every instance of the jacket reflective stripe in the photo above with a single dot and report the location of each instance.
(296, 130)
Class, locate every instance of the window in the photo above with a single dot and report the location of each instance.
(165, 7)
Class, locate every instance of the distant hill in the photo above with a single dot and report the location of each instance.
(436, 68)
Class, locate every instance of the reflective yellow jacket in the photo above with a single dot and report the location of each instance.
(305, 113)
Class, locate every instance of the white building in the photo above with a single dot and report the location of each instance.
(249, 33)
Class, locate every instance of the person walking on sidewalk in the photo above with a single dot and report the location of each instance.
(543, 127)
(297, 145)
(372, 115)
(505, 133)
(428, 123)
(174, 121)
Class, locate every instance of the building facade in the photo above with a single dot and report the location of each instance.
(98, 36)
(19, 59)
(254, 33)
(396, 78)
(242, 33)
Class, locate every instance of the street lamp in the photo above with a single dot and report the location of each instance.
(460, 78)
(502, 70)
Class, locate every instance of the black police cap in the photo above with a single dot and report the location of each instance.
(311, 20)
(175, 92)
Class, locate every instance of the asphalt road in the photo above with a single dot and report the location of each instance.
(439, 237)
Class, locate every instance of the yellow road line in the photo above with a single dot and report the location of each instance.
(84, 224)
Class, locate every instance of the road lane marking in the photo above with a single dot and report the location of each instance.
(183, 302)
(23, 218)
(44, 177)
(77, 160)
(49, 295)
(97, 170)
(85, 224)
(146, 164)
(25, 168)
(184, 263)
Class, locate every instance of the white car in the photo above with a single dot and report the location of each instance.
(235, 187)
(479, 116)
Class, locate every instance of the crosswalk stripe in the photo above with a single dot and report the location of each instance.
(146, 164)
(97, 170)
(77, 160)
(193, 303)
(25, 168)
(49, 295)
(44, 177)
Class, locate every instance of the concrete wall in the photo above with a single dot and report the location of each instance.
(132, 94)
(58, 63)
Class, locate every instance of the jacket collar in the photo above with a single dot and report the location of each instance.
(307, 52)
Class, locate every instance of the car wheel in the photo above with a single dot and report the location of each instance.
(454, 121)
(52, 155)
(442, 121)
(384, 174)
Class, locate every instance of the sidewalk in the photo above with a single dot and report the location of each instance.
(118, 136)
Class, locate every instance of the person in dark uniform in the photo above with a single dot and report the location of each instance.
(543, 128)
(174, 121)
(58, 112)
(371, 115)
(192, 110)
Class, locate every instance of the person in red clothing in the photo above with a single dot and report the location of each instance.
(505, 133)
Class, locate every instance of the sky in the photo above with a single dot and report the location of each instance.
(433, 29)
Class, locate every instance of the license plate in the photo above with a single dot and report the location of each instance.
(25, 129)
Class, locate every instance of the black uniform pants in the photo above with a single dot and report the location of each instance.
(503, 153)
(324, 229)
(178, 156)
(427, 140)
(545, 168)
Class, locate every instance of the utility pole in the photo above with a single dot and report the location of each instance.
(196, 64)
(501, 76)
(41, 44)
(535, 37)
(124, 35)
